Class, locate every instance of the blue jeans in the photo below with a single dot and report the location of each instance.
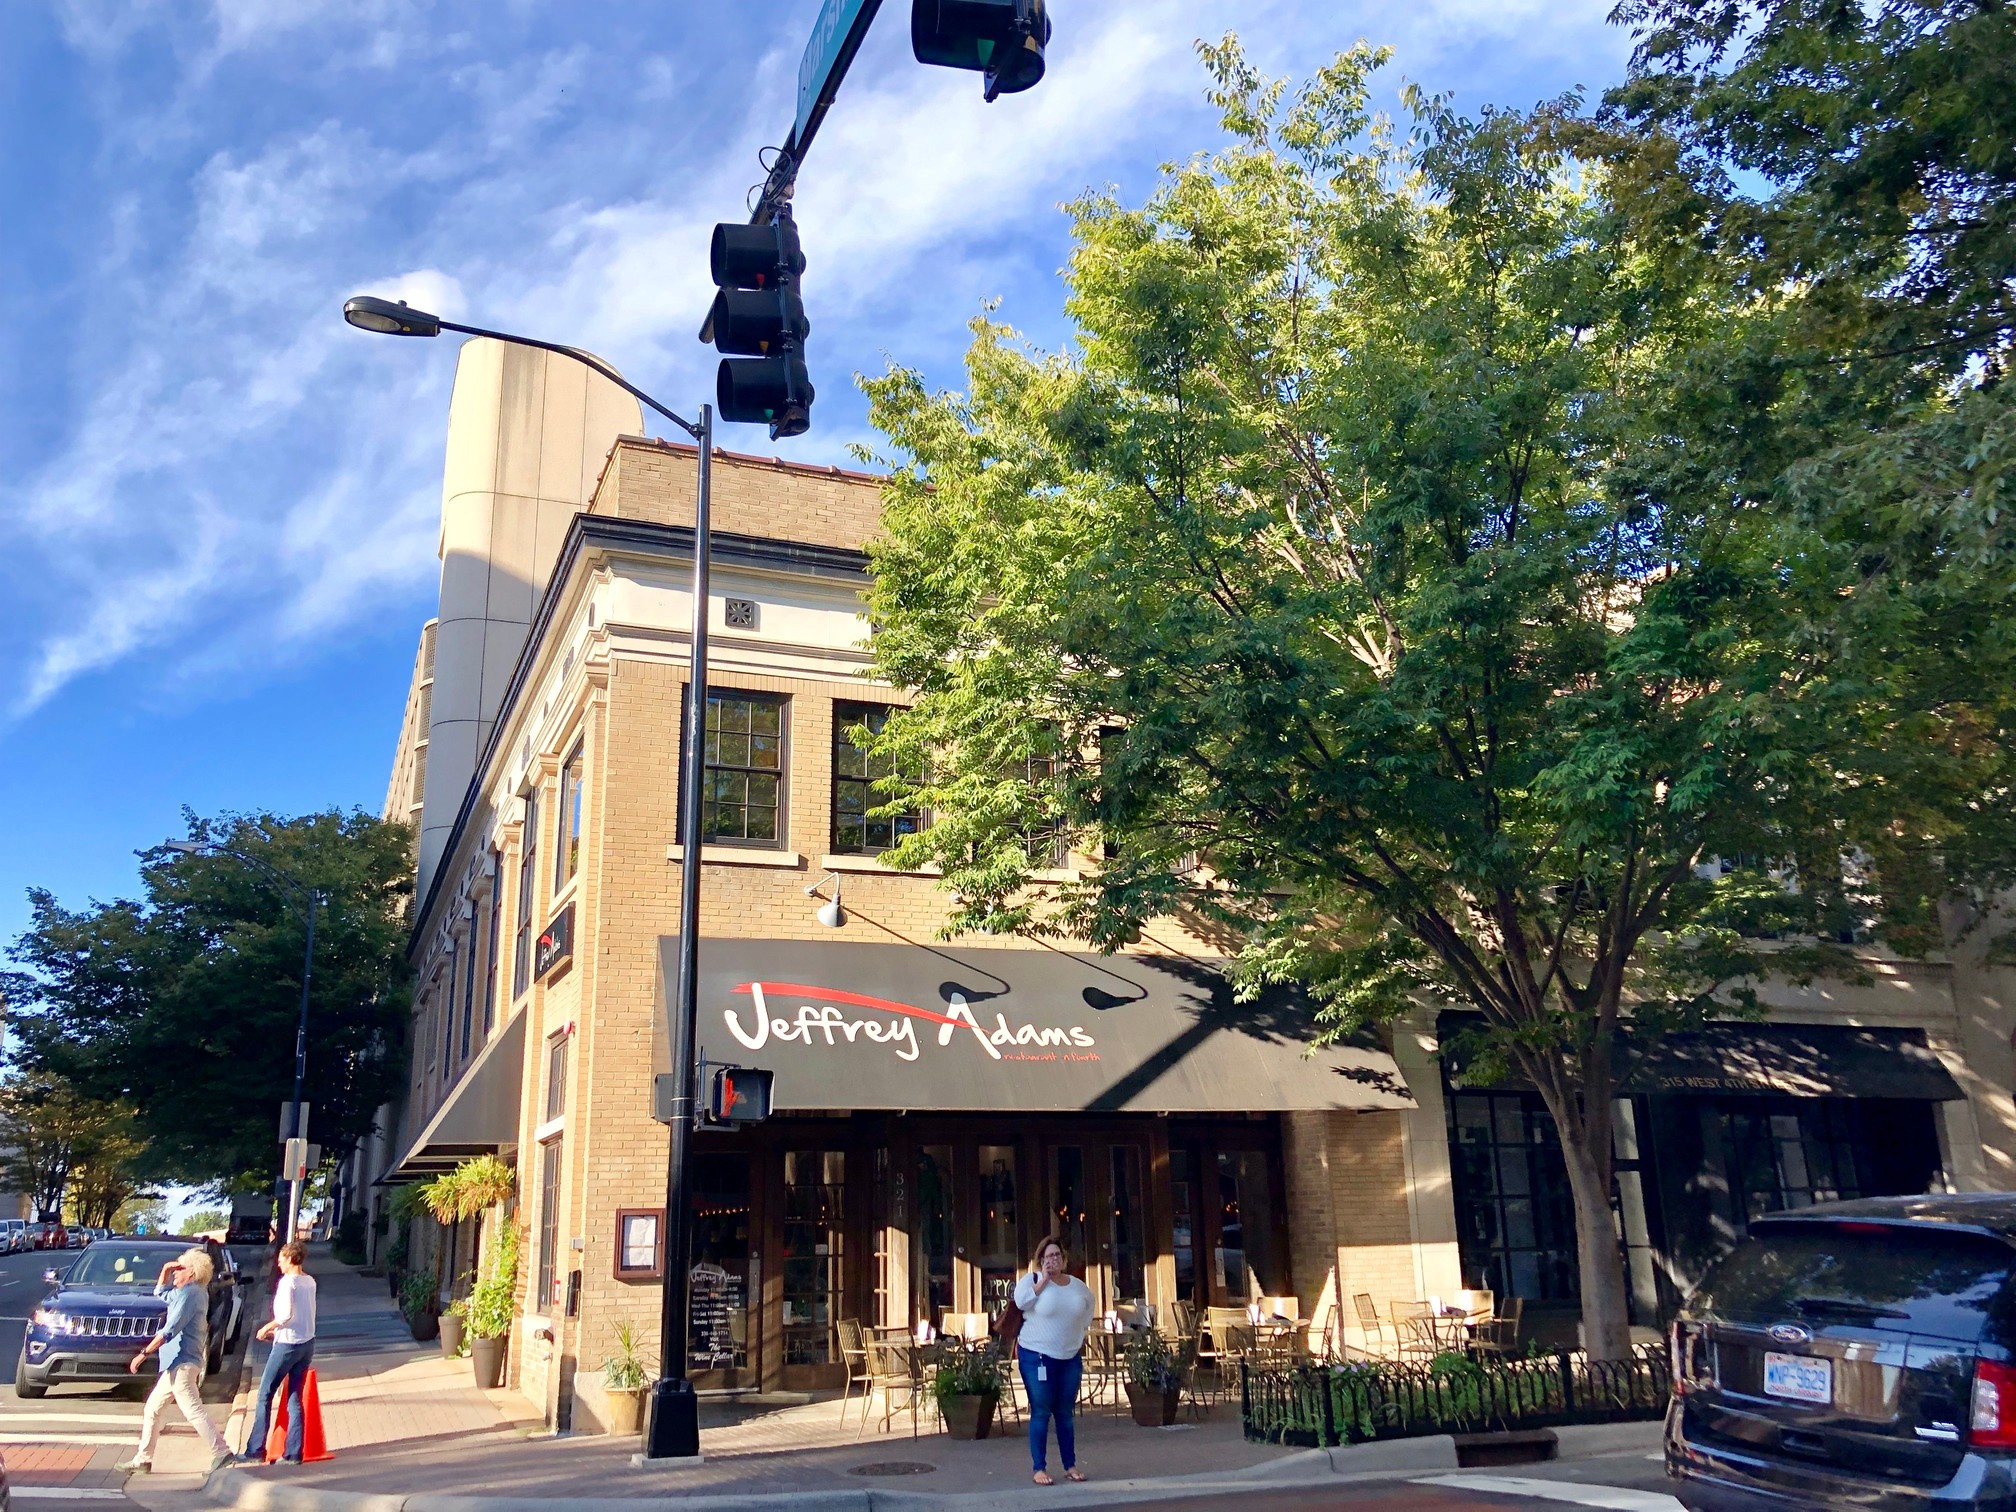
(288, 1362)
(1053, 1394)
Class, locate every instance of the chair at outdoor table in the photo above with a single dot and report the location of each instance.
(1183, 1313)
(854, 1355)
(1373, 1326)
(893, 1370)
(1500, 1334)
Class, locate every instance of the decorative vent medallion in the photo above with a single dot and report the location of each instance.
(741, 614)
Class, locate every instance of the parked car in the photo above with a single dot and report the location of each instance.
(14, 1236)
(102, 1308)
(1853, 1354)
(50, 1234)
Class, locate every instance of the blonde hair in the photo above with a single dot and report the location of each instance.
(1063, 1249)
(196, 1261)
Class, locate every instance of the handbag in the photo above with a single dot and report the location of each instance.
(1008, 1326)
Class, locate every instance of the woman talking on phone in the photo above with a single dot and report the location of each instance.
(1056, 1309)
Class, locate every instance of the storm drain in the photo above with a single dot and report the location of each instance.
(892, 1467)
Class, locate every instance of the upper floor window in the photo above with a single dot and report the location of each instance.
(1047, 841)
(742, 800)
(556, 1078)
(567, 832)
(528, 874)
(490, 941)
(855, 773)
(472, 967)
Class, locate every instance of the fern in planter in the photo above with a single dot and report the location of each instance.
(1152, 1362)
(487, 1308)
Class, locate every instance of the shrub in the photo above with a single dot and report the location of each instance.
(419, 1296)
(488, 1307)
(966, 1370)
(1152, 1362)
(625, 1370)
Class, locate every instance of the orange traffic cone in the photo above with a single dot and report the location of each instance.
(313, 1445)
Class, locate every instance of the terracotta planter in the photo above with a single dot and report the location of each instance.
(451, 1335)
(1153, 1409)
(626, 1409)
(969, 1417)
(487, 1356)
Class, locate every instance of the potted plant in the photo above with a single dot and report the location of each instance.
(486, 1311)
(395, 1264)
(967, 1386)
(420, 1300)
(1154, 1376)
(454, 1321)
(625, 1378)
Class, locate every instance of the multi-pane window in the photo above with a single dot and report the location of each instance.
(567, 830)
(556, 1078)
(448, 1017)
(741, 801)
(470, 967)
(528, 874)
(1515, 1215)
(1046, 842)
(549, 1221)
(490, 941)
(855, 773)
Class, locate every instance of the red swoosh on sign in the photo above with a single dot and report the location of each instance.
(854, 999)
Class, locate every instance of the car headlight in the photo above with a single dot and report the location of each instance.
(49, 1317)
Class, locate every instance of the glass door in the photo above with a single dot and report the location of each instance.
(1098, 1206)
(998, 1254)
(814, 1239)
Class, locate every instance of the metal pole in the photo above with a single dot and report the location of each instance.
(674, 1431)
(300, 1071)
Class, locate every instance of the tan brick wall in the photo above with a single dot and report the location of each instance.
(754, 496)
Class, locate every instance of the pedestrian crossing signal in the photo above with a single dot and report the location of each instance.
(739, 1095)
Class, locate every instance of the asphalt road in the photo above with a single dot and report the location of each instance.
(21, 1288)
(1623, 1483)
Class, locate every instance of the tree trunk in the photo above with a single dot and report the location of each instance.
(1606, 1316)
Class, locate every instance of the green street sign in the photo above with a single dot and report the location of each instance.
(836, 36)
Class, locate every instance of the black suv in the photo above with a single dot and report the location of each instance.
(1853, 1354)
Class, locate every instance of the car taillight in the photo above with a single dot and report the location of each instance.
(1992, 1424)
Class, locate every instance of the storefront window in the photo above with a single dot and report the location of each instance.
(1786, 1153)
(934, 1231)
(1000, 1257)
(721, 1279)
(1125, 1225)
(1245, 1259)
(1182, 1208)
(1515, 1215)
(1069, 1201)
(814, 1184)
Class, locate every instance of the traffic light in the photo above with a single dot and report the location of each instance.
(759, 322)
(740, 1094)
(1004, 39)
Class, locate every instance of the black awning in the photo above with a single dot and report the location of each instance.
(480, 1115)
(1796, 1060)
(907, 1026)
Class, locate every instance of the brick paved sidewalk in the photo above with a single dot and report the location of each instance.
(402, 1420)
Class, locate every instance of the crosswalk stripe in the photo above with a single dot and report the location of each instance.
(1616, 1497)
(65, 1493)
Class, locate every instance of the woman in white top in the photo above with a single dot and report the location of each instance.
(292, 1334)
(1056, 1308)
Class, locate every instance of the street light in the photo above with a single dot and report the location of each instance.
(311, 898)
(674, 1428)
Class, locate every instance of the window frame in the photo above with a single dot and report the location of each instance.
(469, 971)
(552, 1171)
(782, 703)
(846, 713)
(528, 880)
(496, 927)
(567, 820)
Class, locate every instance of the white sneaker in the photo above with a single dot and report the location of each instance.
(134, 1466)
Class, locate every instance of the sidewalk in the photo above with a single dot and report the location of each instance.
(410, 1429)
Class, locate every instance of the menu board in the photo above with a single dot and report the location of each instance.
(717, 1299)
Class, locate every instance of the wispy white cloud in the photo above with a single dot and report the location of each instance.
(241, 476)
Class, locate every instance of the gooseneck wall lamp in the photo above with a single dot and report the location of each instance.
(674, 1428)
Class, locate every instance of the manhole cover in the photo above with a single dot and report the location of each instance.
(893, 1467)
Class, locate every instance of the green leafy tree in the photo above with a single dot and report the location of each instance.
(1380, 589)
(66, 1150)
(183, 1003)
(204, 1221)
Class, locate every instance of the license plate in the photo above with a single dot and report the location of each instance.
(1799, 1378)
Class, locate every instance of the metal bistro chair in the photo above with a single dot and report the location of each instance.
(892, 1370)
(854, 1355)
(1499, 1334)
(1374, 1327)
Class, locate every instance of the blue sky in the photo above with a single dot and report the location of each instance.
(218, 504)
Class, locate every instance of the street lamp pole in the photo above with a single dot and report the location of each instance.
(311, 899)
(673, 1431)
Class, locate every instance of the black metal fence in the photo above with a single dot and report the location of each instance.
(1323, 1405)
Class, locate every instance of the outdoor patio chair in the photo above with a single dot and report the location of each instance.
(1378, 1337)
(1499, 1334)
(892, 1370)
(854, 1355)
